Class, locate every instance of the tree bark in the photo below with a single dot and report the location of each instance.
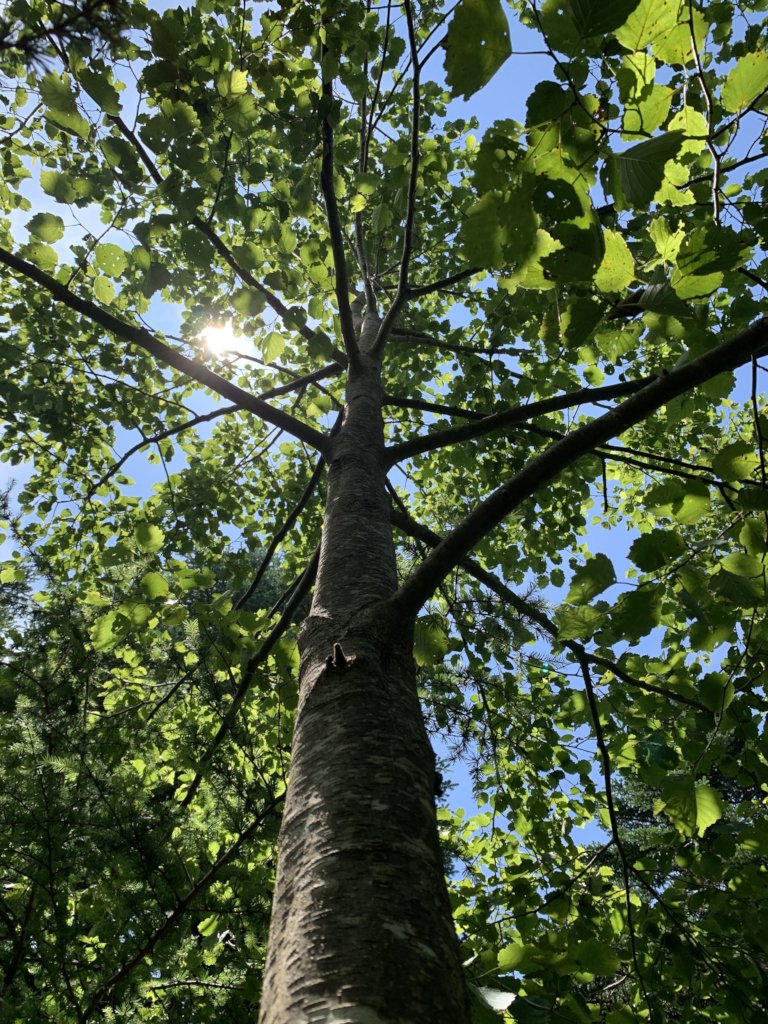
(361, 928)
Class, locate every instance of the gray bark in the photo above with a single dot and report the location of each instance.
(361, 928)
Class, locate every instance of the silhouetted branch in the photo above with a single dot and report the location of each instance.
(163, 353)
(453, 435)
(564, 452)
(532, 613)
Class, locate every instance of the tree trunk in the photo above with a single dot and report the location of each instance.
(361, 925)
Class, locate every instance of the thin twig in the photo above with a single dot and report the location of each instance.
(614, 822)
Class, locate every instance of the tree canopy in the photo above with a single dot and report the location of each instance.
(566, 316)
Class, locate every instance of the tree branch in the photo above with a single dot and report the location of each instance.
(163, 353)
(334, 224)
(291, 317)
(161, 436)
(424, 406)
(529, 611)
(613, 819)
(296, 511)
(549, 463)
(300, 589)
(436, 286)
(402, 285)
(521, 413)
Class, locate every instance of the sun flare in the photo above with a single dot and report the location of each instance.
(219, 338)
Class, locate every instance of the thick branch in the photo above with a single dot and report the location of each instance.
(529, 611)
(452, 435)
(553, 460)
(163, 353)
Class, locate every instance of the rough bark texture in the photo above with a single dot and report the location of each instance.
(361, 926)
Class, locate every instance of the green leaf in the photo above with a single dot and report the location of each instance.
(430, 641)
(661, 298)
(746, 81)
(208, 926)
(743, 565)
(591, 579)
(110, 258)
(753, 537)
(617, 271)
(716, 692)
(656, 549)
(56, 93)
(148, 537)
(58, 185)
(737, 461)
(248, 301)
(636, 613)
(650, 20)
(598, 18)
(641, 168)
(232, 83)
(48, 227)
(103, 290)
(499, 230)
(103, 632)
(678, 801)
(709, 807)
(578, 622)
(99, 88)
(739, 590)
(596, 957)
(476, 45)
(43, 256)
(154, 585)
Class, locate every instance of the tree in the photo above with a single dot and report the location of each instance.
(446, 339)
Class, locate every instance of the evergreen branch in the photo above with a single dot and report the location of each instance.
(521, 413)
(529, 611)
(200, 886)
(73, 20)
(298, 592)
(401, 296)
(163, 353)
(564, 452)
